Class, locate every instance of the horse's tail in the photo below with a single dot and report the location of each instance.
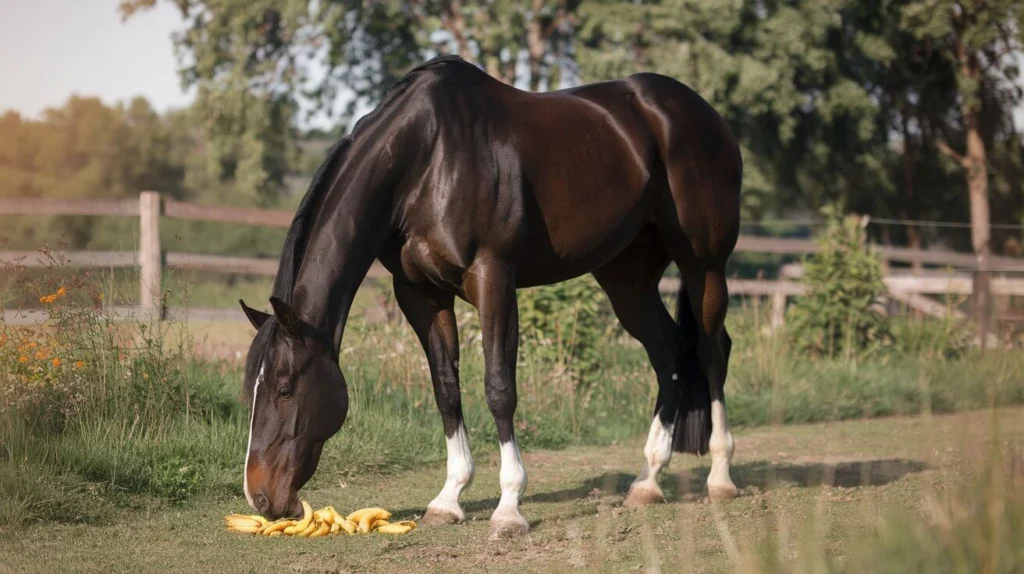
(692, 429)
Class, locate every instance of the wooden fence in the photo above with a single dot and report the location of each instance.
(152, 260)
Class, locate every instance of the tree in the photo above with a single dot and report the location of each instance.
(776, 72)
(257, 64)
(84, 149)
(978, 39)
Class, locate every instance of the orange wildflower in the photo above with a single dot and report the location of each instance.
(56, 362)
(79, 364)
(53, 297)
(23, 359)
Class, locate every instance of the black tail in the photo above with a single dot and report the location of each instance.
(693, 420)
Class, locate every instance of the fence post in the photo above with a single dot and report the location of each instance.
(778, 318)
(150, 256)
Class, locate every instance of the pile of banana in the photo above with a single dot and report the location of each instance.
(321, 522)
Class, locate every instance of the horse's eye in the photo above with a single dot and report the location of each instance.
(284, 393)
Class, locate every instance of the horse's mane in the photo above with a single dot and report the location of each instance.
(298, 233)
(295, 241)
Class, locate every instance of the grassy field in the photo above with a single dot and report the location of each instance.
(857, 496)
(123, 445)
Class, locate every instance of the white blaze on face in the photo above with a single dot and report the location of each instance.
(460, 474)
(248, 447)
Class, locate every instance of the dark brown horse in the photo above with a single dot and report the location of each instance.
(465, 187)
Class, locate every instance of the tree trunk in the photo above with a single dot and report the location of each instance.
(974, 162)
(456, 25)
(492, 62)
(535, 45)
(910, 209)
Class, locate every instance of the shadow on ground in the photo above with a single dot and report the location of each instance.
(764, 475)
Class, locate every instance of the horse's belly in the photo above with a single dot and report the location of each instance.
(557, 249)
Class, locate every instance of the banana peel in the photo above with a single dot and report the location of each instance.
(318, 523)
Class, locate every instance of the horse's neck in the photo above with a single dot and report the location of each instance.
(348, 235)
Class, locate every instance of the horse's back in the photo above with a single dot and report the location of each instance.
(564, 181)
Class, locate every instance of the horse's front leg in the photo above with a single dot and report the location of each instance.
(431, 313)
(490, 286)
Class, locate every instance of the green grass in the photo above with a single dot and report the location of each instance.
(168, 429)
(146, 423)
(922, 503)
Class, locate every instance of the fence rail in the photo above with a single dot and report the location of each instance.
(152, 260)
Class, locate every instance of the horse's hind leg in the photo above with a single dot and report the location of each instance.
(708, 300)
(631, 282)
(431, 314)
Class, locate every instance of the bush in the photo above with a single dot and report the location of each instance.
(97, 408)
(561, 325)
(840, 315)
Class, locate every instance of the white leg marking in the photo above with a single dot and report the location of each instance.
(248, 447)
(720, 447)
(460, 474)
(657, 454)
(507, 518)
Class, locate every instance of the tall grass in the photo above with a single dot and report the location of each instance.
(130, 416)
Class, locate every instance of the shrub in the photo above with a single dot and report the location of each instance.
(561, 325)
(98, 407)
(839, 315)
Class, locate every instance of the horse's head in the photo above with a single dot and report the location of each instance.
(299, 400)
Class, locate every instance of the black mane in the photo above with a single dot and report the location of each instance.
(295, 241)
(305, 215)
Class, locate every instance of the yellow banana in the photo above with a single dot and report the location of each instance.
(278, 526)
(322, 531)
(396, 528)
(336, 517)
(367, 520)
(347, 525)
(313, 526)
(358, 515)
(330, 514)
(258, 518)
(302, 525)
(324, 516)
(322, 522)
(241, 521)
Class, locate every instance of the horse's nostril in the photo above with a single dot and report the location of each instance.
(261, 502)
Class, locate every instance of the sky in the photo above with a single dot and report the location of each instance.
(52, 49)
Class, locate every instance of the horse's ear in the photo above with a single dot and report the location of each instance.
(286, 317)
(257, 318)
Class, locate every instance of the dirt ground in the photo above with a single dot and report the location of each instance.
(573, 502)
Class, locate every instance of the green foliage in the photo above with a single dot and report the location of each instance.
(160, 427)
(100, 409)
(83, 150)
(561, 326)
(838, 315)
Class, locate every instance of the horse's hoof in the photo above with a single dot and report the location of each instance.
(641, 496)
(508, 525)
(722, 492)
(437, 517)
